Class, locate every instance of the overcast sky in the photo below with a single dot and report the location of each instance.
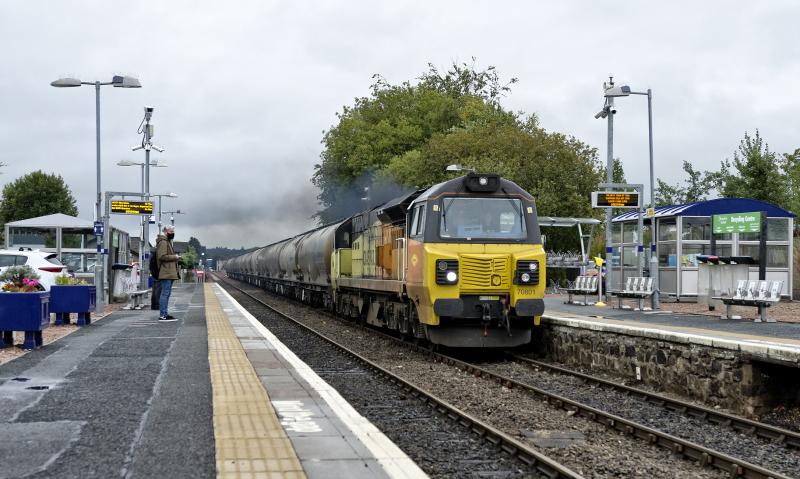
(243, 90)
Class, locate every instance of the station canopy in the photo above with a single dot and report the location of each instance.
(718, 206)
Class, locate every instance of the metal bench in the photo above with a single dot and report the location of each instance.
(637, 287)
(138, 299)
(584, 285)
(759, 294)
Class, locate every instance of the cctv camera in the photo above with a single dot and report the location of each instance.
(613, 110)
(601, 114)
(158, 149)
(148, 109)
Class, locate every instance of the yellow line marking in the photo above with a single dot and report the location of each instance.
(249, 439)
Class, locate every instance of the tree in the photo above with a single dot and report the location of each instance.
(36, 194)
(696, 187)
(791, 162)
(755, 172)
(195, 243)
(189, 258)
(393, 121)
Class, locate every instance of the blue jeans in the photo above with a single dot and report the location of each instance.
(166, 290)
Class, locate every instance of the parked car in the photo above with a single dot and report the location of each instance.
(46, 265)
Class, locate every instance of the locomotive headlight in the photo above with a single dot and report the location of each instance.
(447, 271)
(525, 277)
(483, 181)
(533, 266)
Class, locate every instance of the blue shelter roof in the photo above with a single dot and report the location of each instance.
(717, 206)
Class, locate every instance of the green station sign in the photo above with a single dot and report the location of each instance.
(737, 223)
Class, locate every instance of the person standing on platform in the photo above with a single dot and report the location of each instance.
(167, 270)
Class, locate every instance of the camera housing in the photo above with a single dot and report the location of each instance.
(148, 109)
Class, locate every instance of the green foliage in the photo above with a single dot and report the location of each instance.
(755, 172)
(67, 280)
(189, 258)
(697, 187)
(395, 120)
(791, 166)
(195, 243)
(36, 194)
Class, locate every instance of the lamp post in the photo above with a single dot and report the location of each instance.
(172, 215)
(625, 90)
(168, 195)
(153, 164)
(117, 81)
(146, 129)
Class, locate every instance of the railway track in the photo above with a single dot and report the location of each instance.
(787, 438)
(704, 456)
(544, 465)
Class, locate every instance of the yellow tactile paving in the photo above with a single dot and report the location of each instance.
(250, 441)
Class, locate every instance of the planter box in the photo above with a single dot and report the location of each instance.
(28, 312)
(79, 299)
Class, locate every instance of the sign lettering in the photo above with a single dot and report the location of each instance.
(737, 223)
(123, 207)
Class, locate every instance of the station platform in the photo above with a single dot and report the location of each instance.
(213, 394)
(774, 341)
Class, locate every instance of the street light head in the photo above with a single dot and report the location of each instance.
(172, 195)
(66, 83)
(622, 90)
(126, 163)
(454, 168)
(120, 81)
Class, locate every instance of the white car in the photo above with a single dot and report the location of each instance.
(46, 265)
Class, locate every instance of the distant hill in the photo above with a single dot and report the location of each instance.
(222, 252)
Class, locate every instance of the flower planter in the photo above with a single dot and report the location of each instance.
(79, 299)
(28, 312)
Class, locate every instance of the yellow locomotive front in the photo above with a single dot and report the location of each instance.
(475, 271)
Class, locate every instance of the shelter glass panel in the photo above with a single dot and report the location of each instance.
(630, 233)
(777, 230)
(668, 255)
(616, 233)
(777, 255)
(667, 230)
(33, 237)
(629, 257)
(691, 250)
(696, 229)
(75, 238)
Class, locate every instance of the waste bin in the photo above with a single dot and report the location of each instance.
(717, 276)
(121, 282)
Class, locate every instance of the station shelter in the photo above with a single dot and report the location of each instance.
(71, 238)
(684, 232)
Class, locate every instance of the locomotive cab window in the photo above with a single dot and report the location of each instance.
(482, 218)
(417, 223)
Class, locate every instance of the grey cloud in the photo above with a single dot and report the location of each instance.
(243, 91)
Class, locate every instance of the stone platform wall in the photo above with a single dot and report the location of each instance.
(714, 376)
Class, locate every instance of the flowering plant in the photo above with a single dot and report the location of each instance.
(20, 279)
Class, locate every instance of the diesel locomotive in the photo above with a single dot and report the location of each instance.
(459, 264)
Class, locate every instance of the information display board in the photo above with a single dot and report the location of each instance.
(132, 207)
(615, 199)
(737, 223)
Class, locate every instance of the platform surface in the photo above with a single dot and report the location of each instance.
(213, 394)
(777, 340)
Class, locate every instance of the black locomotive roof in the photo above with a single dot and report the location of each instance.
(459, 185)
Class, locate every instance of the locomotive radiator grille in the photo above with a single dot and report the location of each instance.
(481, 273)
